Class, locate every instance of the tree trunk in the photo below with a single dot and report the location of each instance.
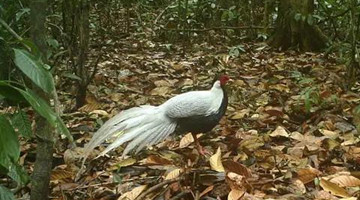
(295, 27)
(44, 150)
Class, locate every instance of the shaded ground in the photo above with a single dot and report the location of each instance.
(289, 132)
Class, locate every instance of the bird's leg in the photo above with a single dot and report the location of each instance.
(198, 145)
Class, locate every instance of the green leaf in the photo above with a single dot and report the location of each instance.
(20, 121)
(6, 194)
(39, 105)
(297, 17)
(310, 20)
(43, 108)
(34, 69)
(11, 94)
(9, 144)
(18, 174)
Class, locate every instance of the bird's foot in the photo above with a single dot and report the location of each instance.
(203, 151)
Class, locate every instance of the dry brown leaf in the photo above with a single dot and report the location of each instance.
(279, 131)
(307, 175)
(156, 160)
(208, 189)
(346, 181)
(232, 166)
(298, 186)
(131, 195)
(173, 174)
(186, 140)
(215, 161)
(333, 188)
(330, 134)
(236, 194)
(65, 186)
(122, 163)
(161, 91)
(241, 114)
(274, 111)
(60, 174)
(100, 112)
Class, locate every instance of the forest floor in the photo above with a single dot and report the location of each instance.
(289, 131)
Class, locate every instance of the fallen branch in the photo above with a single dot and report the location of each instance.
(218, 28)
(155, 187)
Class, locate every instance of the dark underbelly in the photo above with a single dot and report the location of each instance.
(198, 124)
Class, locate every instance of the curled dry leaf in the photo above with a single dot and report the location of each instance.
(333, 188)
(131, 195)
(215, 161)
(279, 131)
(346, 181)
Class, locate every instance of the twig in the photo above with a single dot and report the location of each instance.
(218, 28)
(155, 187)
(2, 22)
(181, 194)
(161, 14)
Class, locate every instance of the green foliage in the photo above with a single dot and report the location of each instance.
(6, 194)
(21, 121)
(236, 50)
(34, 69)
(9, 144)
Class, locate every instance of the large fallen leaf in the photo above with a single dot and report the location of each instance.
(131, 195)
(186, 140)
(232, 166)
(235, 194)
(215, 161)
(279, 131)
(346, 181)
(307, 175)
(333, 188)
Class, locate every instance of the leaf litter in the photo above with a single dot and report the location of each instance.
(290, 132)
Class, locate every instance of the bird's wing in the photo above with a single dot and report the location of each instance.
(191, 103)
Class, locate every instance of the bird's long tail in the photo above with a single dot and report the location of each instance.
(140, 126)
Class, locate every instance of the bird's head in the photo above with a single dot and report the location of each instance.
(223, 79)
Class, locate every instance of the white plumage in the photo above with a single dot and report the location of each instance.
(148, 125)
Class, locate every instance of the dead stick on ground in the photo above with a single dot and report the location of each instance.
(155, 187)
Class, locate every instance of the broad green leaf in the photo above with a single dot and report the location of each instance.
(39, 105)
(43, 108)
(18, 174)
(20, 121)
(6, 194)
(11, 94)
(34, 70)
(45, 111)
(9, 144)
